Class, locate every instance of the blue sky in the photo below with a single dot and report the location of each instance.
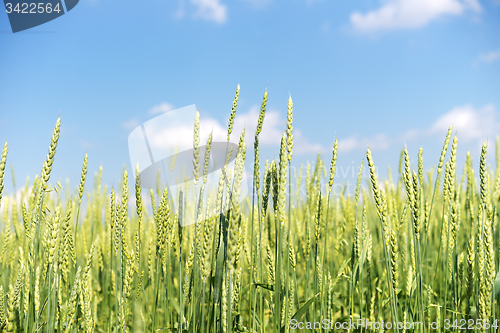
(371, 72)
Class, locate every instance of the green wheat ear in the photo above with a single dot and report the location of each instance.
(260, 122)
(317, 220)
(469, 278)
(394, 259)
(82, 179)
(374, 180)
(138, 197)
(3, 160)
(47, 165)
(282, 172)
(2, 313)
(421, 166)
(233, 113)
(262, 114)
(235, 218)
(333, 164)
(483, 174)
(289, 128)
(11, 308)
(416, 206)
(445, 148)
(489, 269)
(407, 178)
(196, 147)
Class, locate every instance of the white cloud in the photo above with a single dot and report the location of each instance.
(378, 142)
(210, 10)
(407, 14)
(412, 134)
(161, 108)
(348, 144)
(470, 123)
(179, 135)
(490, 56)
(302, 145)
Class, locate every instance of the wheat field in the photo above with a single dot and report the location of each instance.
(419, 247)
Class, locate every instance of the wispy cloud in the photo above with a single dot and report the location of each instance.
(471, 124)
(409, 14)
(355, 142)
(302, 145)
(161, 108)
(489, 57)
(155, 110)
(210, 10)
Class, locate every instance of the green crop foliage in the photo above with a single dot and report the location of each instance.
(418, 247)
